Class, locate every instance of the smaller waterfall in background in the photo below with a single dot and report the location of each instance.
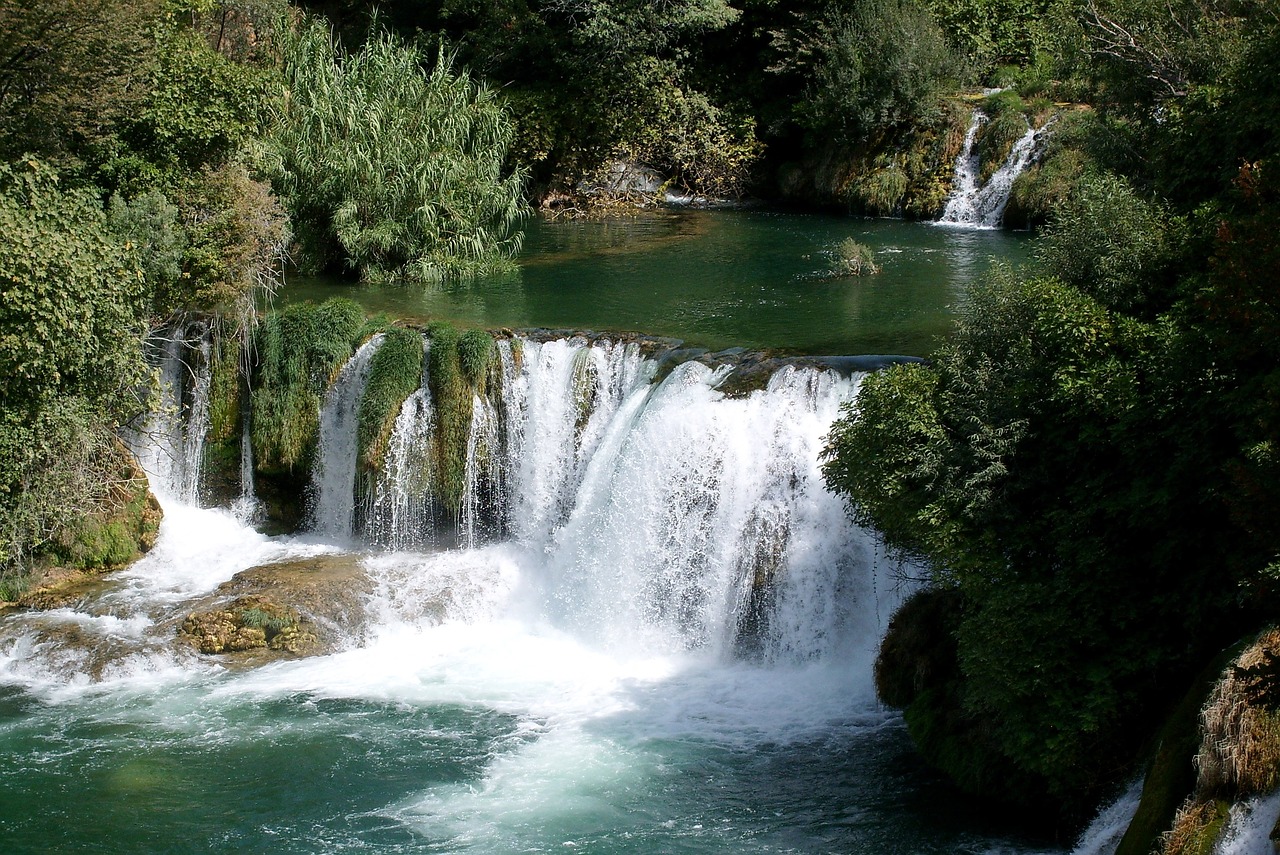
(334, 479)
(979, 205)
(1107, 829)
(1248, 830)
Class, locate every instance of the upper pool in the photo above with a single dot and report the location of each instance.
(716, 279)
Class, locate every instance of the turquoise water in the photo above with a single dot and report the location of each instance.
(718, 279)
(573, 689)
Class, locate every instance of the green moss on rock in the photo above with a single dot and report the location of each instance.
(300, 349)
(395, 372)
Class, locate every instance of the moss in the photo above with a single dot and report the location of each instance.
(300, 349)
(475, 353)
(395, 372)
(224, 384)
(220, 478)
(118, 531)
(452, 401)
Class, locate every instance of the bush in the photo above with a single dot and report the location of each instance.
(1018, 465)
(71, 310)
(1111, 243)
(393, 164)
(870, 67)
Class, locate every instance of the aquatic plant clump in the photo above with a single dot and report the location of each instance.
(854, 259)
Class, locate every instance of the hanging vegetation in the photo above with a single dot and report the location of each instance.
(299, 349)
(395, 373)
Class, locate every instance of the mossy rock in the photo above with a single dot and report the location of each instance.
(122, 528)
(249, 623)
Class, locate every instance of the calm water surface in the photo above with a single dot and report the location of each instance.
(718, 279)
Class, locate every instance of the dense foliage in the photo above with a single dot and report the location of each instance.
(1087, 465)
(71, 325)
(395, 165)
(300, 349)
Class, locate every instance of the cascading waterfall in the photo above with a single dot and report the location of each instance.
(402, 510)
(652, 589)
(977, 205)
(334, 479)
(696, 506)
(570, 392)
(169, 443)
(485, 481)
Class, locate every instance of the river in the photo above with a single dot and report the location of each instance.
(602, 675)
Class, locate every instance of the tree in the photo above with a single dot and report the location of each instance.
(867, 67)
(71, 366)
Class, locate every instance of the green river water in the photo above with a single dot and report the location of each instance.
(718, 279)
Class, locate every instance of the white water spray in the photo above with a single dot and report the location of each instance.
(334, 478)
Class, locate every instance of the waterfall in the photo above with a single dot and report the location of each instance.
(1107, 829)
(484, 474)
(334, 477)
(402, 511)
(701, 516)
(169, 443)
(662, 515)
(246, 506)
(570, 392)
(1249, 827)
(979, 205)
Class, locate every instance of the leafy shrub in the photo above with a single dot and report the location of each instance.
(199, 107)
(394, 163)
(71, 308)
(1113, 244)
